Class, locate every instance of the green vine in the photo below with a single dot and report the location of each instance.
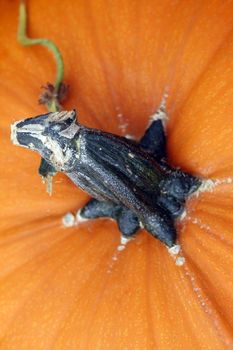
(26, 41)
(54, 93)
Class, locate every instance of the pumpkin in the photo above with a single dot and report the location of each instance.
(70, 288)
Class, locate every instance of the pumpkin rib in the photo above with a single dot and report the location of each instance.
(60, 264)
(28, 280)
(142, 303)
(148, 284)
(214, 212)
(223, 170)
(100, 57)
(166, 316)
(220, 210)
(217, 306)
(222, 241)
(103, 263)
(221, 325)
(180, 288)
(25, 259)
(202, 74)
(202, 130)
(94, 308)
(203, 237)
(223, 216)
(216, 284)
(28, 229)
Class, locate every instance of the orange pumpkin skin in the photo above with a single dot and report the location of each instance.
(61, 288)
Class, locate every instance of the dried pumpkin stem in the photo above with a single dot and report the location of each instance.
(26, 41)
